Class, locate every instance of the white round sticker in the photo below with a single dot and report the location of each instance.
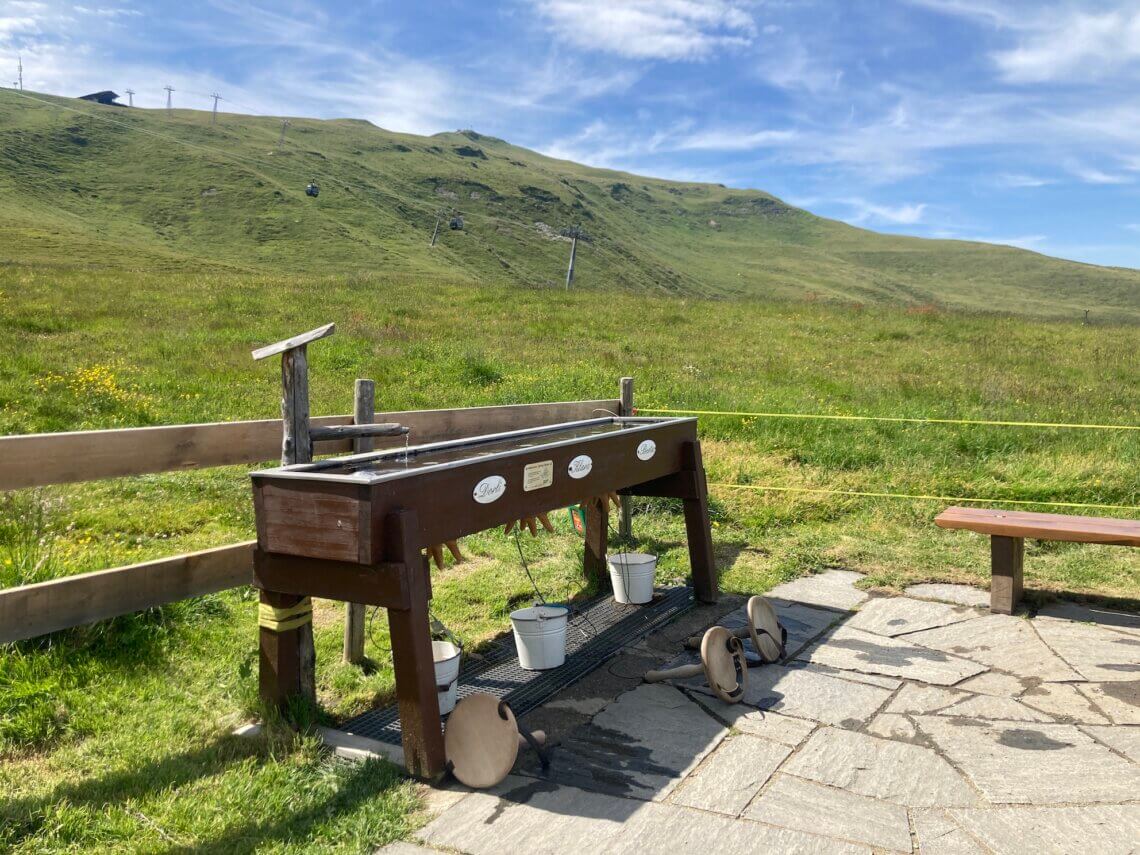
(489, 489)
(580, 466)
(646, 450)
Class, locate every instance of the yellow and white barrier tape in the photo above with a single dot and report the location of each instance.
(283, 620)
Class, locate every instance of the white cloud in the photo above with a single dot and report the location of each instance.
(1074, 45)
(725, 139)
(1132, 227)
(1021, 179)
(1092, 175)
(650, 29)
(870, 212)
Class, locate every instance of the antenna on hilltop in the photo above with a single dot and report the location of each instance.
(130, 97)
(168, 89)
(214, 117)
(20, 72)
(284, 125)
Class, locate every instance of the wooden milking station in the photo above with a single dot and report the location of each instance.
(355, 528)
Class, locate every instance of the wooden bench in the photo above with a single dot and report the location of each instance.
(1008, 530)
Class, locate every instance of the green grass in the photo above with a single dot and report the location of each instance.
(85, 184)
(116, 737)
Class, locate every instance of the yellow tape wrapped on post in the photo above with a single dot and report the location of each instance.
(283, 620)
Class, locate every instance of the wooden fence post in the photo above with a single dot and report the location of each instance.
(625, 526)
(363, 413)
(285, 626)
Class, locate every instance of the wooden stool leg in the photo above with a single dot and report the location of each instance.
(412, 655)
(1007, 557)
(698, 529)
(594, 555)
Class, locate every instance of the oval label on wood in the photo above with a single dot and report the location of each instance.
(580, 466)
(646, 449)
(489, 489)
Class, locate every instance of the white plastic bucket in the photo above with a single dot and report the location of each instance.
(446, 656)
(540, 636)
(631, 574)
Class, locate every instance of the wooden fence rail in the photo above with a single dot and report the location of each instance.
(39, 460)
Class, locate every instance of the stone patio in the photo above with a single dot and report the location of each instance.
(919, 723)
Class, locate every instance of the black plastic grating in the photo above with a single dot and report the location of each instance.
(597, 630)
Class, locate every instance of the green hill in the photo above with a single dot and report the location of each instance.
(106, 186)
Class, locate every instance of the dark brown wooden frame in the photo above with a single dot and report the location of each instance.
(361, 542)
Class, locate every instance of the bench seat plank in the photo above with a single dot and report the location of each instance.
(1113, 532)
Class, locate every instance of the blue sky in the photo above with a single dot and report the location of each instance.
(999, 120)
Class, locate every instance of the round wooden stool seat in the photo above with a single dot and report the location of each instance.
(481, 741)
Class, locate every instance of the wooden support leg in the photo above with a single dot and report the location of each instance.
(286, 659)
(594, 555)
(697, 527)
(1007, 557)
(412, 655)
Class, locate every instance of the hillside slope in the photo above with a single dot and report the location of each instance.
(87, 184)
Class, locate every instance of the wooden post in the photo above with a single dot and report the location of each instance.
(625, 409)
(573, 253)
(1007, 557)
(287, 659)
(697, 529)
(594, 553)
(412, 658)
(363, 413)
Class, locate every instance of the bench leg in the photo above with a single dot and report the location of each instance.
(1007, 556)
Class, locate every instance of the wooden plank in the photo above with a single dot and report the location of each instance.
(594, 564)
(363, 413)
(440, 425)
(375, 584)
(357, 431)
(295, 341)
(625, 409)
(33, 610)
(412, 658)
(1007, 558)
(1063, 527)
(37, 460)
(702, 560)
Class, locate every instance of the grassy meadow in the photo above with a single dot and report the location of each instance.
(143, 256)
(115, 737)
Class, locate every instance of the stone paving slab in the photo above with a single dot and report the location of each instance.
(1064, 702)
(1081, 613)
(938, 834)
(640, 746)
(962, 595)
(893, 616)
(1033, 763)
(1119, 701)
(905, 774)
(763, 723)
(807, 692)
(1005, 642)
(997, 684)
(803, 623)
(989, 708)
(1103, 655)
(536, 817)
(893, 726)
(833, 589)
(1103, 829)
(854, 650)
(731, 776)
(1125, 740)
(792, 802)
